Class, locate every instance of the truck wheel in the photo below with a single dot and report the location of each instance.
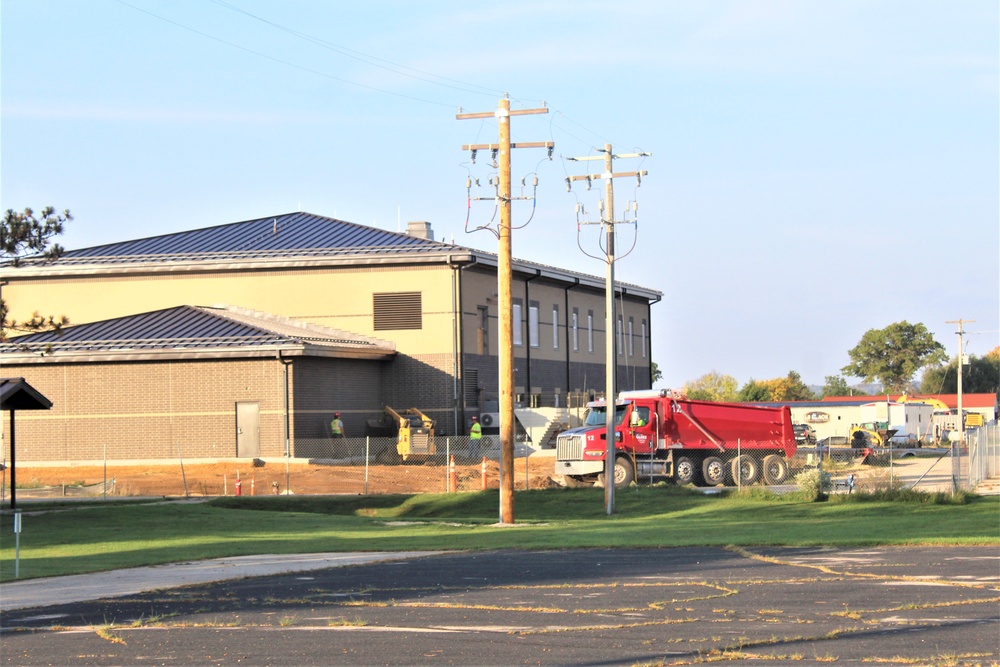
(624, 472)
(744, 470)
(714, 471)
(685, 470)
(775, 469)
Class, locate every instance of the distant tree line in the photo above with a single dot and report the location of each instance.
(891, 356)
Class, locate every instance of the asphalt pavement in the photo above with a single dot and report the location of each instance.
(888, 605)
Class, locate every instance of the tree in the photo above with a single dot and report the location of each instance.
(754, 392)
(788, 388)
(836, 385)
(980, 376)
(712, 386)
(894, 354)
(24, 235)
(655, 373)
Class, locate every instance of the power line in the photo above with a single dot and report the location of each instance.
(365, 58)
(283, 62)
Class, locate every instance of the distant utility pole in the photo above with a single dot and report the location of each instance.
(610, 327)
(504, 278)
(961, 360)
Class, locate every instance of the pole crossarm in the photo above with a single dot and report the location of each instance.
(617, 174)
(601, 157)
(518, 144)
(499, 113)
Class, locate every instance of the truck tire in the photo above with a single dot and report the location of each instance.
(744, 470)
(714, 471)
(775, 469)
(685, 470)
(624, 473)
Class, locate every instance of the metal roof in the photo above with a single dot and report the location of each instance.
(288, 235)
(192, 330)
(288, 240)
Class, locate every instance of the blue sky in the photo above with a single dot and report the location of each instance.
(818, 168)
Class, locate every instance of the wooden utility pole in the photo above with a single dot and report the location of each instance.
(611, 323)
(504, 279)
(961, 354)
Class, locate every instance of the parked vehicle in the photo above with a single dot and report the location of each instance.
(662, 435)
(804, 434)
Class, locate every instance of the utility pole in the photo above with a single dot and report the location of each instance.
(956, 467)
(961, 360)
(610, 327)
(504, 279)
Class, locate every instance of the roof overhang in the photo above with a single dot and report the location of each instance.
(195, 354)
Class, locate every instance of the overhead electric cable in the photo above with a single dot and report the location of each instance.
(283, 62)
(365, 58)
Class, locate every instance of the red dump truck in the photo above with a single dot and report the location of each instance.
(663, 435)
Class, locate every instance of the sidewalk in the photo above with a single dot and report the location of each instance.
(115, 583)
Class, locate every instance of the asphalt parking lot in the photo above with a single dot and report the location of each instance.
(886, 605)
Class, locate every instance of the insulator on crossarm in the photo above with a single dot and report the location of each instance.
(638, 179)
(474, 156)
(569, 184)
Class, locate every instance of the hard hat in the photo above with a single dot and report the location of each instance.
(475, 418)
(336, 414)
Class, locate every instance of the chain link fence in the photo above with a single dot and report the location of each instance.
(945, 468)
(375, 466)
(354, 466)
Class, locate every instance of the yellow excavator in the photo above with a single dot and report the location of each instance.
(413, 430)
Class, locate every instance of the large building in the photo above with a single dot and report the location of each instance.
(282, 320)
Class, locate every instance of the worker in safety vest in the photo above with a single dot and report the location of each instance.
(337, 426)
(475, 438)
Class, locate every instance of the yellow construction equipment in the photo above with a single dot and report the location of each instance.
(413, 430)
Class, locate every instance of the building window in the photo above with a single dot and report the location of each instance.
(576, 330)
(618, 331)
(555, 327)
(516, 324)
(643, 341)
(533, 324)
(631, 337)
(483, 334)
(590, 331)
(397, 310)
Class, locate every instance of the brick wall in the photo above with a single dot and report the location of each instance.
(147, 410)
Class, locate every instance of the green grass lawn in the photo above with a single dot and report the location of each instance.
(108, 536)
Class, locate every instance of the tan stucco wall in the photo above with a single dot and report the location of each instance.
(337, 298)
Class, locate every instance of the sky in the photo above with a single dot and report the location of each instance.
(816, 169)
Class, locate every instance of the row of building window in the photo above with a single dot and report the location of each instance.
(533, 330)
(402, 310)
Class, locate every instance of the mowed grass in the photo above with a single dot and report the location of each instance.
(88, 539)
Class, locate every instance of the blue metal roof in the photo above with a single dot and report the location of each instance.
(288, 235)
(188, 327)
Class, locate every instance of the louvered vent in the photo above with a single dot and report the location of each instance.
(397, 310)
(471, 386)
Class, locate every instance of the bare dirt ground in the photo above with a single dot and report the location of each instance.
(222, 478)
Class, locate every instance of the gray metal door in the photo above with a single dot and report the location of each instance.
(247, 430)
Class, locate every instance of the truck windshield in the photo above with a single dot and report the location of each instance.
(598, 416)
